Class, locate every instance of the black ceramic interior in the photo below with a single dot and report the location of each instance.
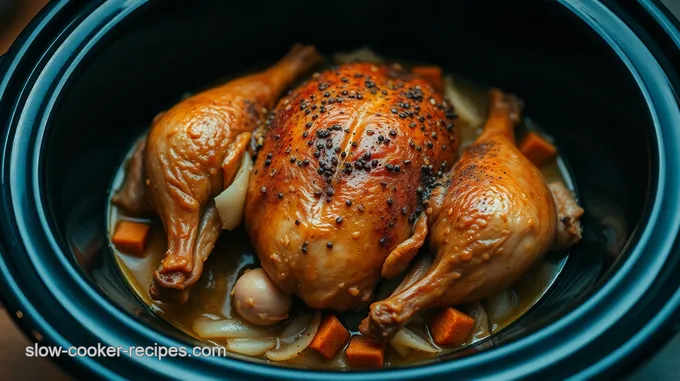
(574, 84)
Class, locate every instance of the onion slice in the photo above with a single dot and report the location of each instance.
(407, 338)
(403, 350)
(231, 202)
(500, 307)
(363, 54)
(340, 362)
(251, 347)
(464, 106)
(288, 351)
(295, 328)
(207, 328)
(476, 310)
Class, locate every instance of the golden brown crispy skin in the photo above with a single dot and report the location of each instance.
(189, 150)
(337, 184)
(493, 222)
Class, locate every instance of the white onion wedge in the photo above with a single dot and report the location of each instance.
(403, 350)
(207, 328)
(294, 329)
(476, 310)
(339, 362)
(288, 351)
(231, 202)
(363, 54)
(464, 106)
(251, 347)
(500, 306)
(407, 338)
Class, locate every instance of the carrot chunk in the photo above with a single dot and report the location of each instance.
(364, 352)
(130, 237)
(537, 149)
(432, 74)
(451, 327)
(330, 337)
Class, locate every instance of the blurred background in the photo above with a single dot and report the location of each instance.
(14, 365)
(14, 15)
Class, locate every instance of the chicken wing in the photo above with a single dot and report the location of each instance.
(190, 154)
(493, 221)
(335, 199)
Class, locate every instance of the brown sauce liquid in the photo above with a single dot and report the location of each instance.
(233, 254)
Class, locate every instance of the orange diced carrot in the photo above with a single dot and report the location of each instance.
(130, 237)
(537, 149)
(432, 74)
(330, 337)
(364, 352)
(451, 327)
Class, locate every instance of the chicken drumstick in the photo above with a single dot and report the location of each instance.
(190, 154)
(495, 220)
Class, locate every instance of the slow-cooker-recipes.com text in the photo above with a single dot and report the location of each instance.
(100, 350)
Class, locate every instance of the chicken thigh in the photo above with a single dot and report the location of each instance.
(335, 198)
(191, 153)
(493, 221)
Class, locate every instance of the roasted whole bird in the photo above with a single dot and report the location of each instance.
(355, 170)
(494, 219)
(335, 199)
(191, 153)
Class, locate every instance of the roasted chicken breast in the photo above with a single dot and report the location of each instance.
(335, 199)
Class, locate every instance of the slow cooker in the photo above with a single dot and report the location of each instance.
(86, 77)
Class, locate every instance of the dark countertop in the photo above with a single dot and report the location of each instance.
(13, 361)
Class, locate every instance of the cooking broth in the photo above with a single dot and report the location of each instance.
(233, 254)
